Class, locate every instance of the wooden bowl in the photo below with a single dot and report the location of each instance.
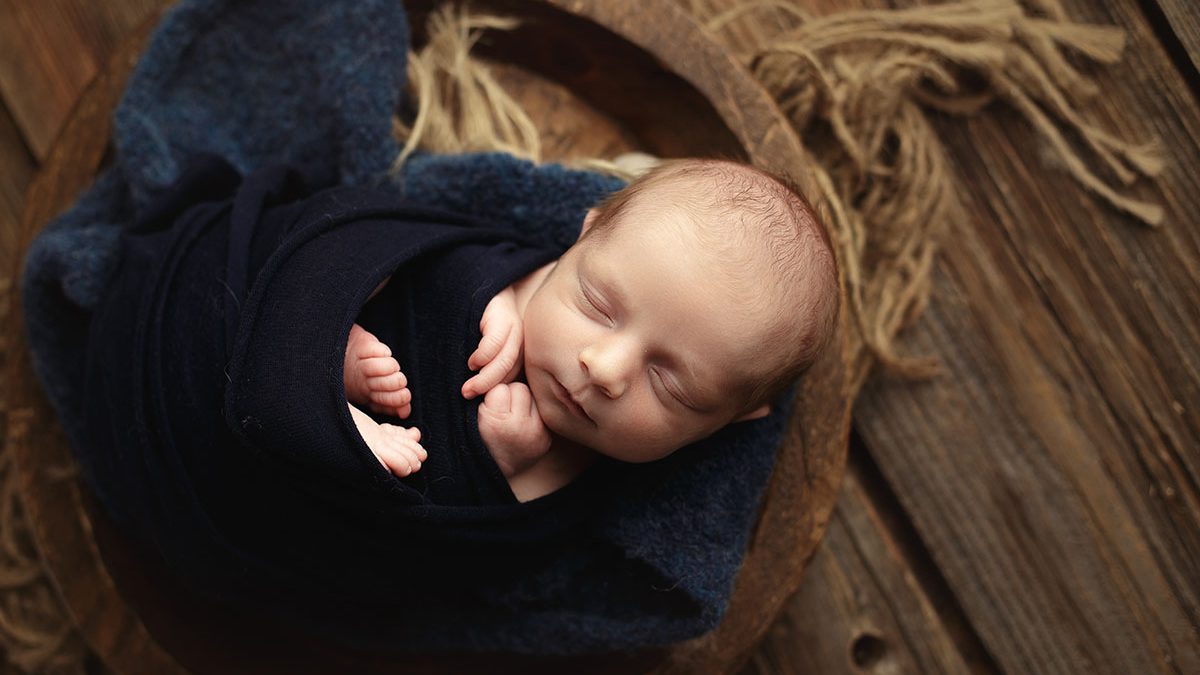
(598, 77)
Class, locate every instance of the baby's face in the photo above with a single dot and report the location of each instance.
(633, 347)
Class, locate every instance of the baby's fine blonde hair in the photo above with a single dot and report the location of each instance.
(759, 215)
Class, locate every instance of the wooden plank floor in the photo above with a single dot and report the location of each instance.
(1035, 509)
(1051, 473)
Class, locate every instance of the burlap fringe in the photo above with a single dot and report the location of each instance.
(36, 633)
(858, 87)
(461, 107)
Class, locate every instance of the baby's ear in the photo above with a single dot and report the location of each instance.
(758, 412)
(587, 222)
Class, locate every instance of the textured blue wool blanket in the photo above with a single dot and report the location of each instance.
(260, 83)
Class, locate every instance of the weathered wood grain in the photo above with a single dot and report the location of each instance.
(1052, 470)
(864, 605)
(16, 168)
(31, 434)
(38, 78)
(50, 49)
(568, 128)
(1182, 19)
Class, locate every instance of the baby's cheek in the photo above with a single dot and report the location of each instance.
(672, 433)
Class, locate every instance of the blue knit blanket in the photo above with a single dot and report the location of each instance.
(316, 81)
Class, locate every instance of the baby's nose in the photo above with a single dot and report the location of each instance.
(608, 364)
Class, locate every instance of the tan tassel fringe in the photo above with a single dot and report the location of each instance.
(461, 107)
(35, 630)
(857, 87)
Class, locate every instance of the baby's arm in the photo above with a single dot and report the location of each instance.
(512, 429)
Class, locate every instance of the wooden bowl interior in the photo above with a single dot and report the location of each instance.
(662, 113)
(588, 88)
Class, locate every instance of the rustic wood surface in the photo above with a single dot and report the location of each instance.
(50, 49)
(868, 603)
(1177, 23)
(1051, 472)
(1035, 508)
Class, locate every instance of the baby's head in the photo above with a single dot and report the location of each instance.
(692, 299)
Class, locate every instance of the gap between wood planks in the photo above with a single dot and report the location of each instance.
(1176, 23)
(899, 528)
(873, 599)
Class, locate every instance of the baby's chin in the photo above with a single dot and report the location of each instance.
(566, 434)
(566, 430)
(632, 453)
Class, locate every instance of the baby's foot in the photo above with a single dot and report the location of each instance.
(373, 377)
(396, 448)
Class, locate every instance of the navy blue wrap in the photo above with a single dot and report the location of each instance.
(250, 483)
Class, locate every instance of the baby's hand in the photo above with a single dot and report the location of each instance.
(373, 377)
(498, 357)
(512, 429)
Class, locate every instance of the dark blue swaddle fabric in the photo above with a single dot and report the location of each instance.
(187, 319)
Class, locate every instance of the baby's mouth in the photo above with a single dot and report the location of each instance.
(568, 401)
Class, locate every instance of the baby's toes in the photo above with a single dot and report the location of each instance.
(406, 453)
(392, 399)
(390, 382)
(398, 403)
(379, 366)
(402, 411)
(370, 348)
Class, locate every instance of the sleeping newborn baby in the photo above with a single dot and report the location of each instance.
(692, 298)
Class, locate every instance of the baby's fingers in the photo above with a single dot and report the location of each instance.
(503, 368)
(489, 345)
(498, 399)
(521, 398)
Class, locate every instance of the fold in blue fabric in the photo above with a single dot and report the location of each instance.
(252, 150)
